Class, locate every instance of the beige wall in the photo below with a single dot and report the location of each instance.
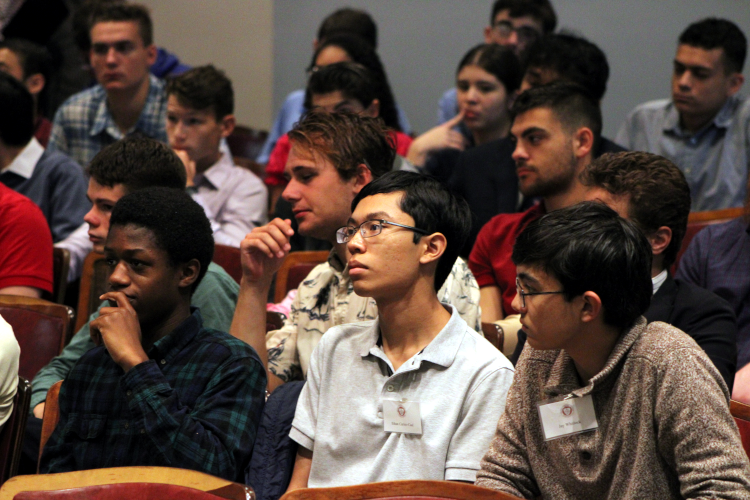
(235, 36)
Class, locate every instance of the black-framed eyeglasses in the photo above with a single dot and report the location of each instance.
(523, 294)
(525, 34)
(370, 228)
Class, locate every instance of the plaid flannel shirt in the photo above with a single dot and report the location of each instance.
(196, 404)
(83, 124)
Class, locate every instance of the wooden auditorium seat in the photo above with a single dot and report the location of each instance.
(400, 490)
(11, 435)
(294, 269)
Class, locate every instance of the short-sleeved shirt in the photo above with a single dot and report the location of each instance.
(490, 259)
(10, 354)
(195, 404)
(83, 125)
(326, 298)
(459, 380)
(25, 243)
(715, 160)
(234, 199)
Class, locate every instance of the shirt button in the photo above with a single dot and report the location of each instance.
(380, 414)
(390, 388)
(164, 361)
(127, 425)
(586, 455)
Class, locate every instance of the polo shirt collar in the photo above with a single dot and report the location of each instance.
(441, 351)
(26, 161)
(564, 379)
(169, 347)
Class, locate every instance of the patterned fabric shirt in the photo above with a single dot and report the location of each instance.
(83, 124)
(195, 404)
(326, 299)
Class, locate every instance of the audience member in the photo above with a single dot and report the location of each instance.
(513, 23)
(487, 79)
(556, 128)
(650, 191)
(345, 21)
(127, 98)
(200, 104)
(605, 405)
(570, 58)
(333, 156)
(10, 353)
(419, 387)
(129, 165)
(160, 389)
(31, 64)
(26, 249)
(704, 127)
(718, 259)
(49, 178)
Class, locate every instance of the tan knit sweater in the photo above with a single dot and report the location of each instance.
(665, 430)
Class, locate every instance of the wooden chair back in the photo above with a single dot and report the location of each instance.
(42, 329)
(11, 435)
(137, 491)
(400, 490)
(246, 142)
(50, 418)
(274, 321)
(741, 414)
(229, 258)
(60, 267)
(120, 476)
(294, 269)
(494, 333)
(698, 221)
(94, 276)
(251, 165)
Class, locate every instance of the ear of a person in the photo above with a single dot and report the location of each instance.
(660, 240)
(591, 306)
(433, 247)
(189, 272)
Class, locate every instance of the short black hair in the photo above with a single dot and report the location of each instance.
(17, 115)
(353, 80)
(659, 194)
(433, 208)
(570, 103)
(179, 224)
(588, 247)
(575, 59)
(128, 12)
(714, 33)
(538, 9)
(499, 61)
(202, 88)
(361, 52)
(350, 21)
(138, 162)
(34, 58)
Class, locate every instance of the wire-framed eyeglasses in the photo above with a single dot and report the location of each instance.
(370, 228)
(523, 293)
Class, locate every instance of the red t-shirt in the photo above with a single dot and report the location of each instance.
(25, 243)
(280, 153)
(490, 258)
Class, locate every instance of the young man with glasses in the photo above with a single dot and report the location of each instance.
(605, 405)
(513, 23)
(127, 98)
(413, 394)
(333, 156)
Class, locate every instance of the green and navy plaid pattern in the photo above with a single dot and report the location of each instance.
(196, 404)
(83, 124)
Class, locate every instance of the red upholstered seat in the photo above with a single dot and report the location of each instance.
(741, 414)
(131, 491)
(400, 490)
(229, 258)
(294, 269)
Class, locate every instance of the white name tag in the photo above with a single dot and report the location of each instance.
(402, 416)
(570, 416)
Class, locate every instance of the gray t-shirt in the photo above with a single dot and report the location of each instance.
(460, 381)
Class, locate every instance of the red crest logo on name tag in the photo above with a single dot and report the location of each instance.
(567, 410)
(401, 410)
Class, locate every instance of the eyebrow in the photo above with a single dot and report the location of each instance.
(371, 216)
(692, 66)
(526, 277)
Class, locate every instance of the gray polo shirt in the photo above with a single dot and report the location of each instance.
(460, 381)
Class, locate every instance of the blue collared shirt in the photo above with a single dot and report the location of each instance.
(714, 160)
(83, 125)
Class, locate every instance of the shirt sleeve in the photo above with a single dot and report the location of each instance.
(79, 246)
(447, 106)
(625, 134)
(68, 203)
(480, 259)
(245, 208)
(277, 162)
(484, 406)
(306, 413)
(697, 437)
(283, 357)
(60, 366)
(217, 434)
(9, 358)
(461, 291)
(506, 467)
(216, 297)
